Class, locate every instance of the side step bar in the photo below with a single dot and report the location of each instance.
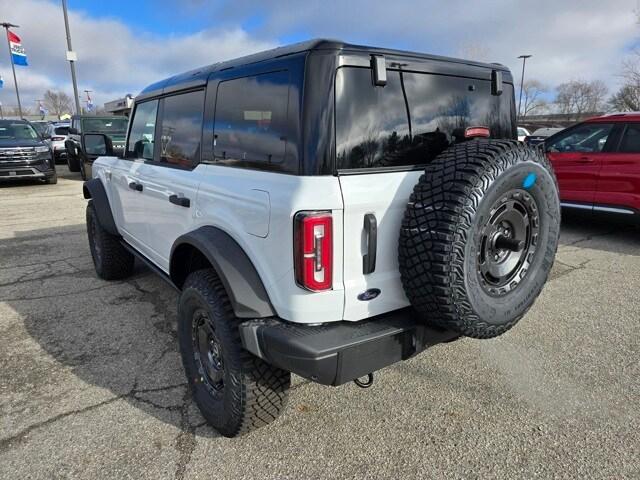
(339, 352)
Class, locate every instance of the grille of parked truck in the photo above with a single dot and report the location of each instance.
(324, 209)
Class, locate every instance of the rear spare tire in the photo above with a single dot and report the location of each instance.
(479, 236)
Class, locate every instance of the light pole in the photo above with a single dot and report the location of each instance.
(72, 57)
(7, 25)
(524, 61)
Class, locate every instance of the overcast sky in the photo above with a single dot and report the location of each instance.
(123, 45)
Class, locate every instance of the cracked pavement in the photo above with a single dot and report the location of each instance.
(91, 384)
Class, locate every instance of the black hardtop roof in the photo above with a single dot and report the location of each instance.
(199, 75)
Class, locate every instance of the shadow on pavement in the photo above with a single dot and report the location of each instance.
(118, 336)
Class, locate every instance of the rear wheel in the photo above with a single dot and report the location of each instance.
(72, 163)
(83, 167)
(479, 236)
(235, 391)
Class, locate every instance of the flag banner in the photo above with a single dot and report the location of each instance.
(1, 82)
(17, 50)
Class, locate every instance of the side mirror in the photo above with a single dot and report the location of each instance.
(73, 130)
(46, 136)
(98, 144)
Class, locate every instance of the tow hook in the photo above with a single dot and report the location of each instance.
(365, 384)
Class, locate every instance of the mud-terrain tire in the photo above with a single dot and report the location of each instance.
(111, 260)
(235, 391)
(479, 236)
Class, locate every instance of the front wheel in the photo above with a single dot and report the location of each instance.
(111, 260)
(479, 236)
(235, 391)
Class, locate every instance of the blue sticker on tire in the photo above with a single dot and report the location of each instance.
(529, 181)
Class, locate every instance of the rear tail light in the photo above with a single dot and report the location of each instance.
(473, 132)
(313, 250)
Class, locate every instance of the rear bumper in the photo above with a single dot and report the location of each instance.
(338, 352)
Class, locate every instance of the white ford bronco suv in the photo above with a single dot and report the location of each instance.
(324, 209)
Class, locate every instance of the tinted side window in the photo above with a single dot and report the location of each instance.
(373, 128)
(251, 121)
(631, 139)
(586, 138)
(143, 126)
(181, 128)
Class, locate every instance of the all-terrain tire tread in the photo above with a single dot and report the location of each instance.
(259, 390)
(116, 262)
(435, 226)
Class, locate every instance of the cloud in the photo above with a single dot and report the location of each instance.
(569, 40)
(113, 58)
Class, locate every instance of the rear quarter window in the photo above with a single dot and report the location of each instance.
(413, 118)
(251, 123)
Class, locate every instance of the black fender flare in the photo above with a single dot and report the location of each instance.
(94, 189)
(248, 296)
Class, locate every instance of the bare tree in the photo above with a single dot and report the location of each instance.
(14, 112)
(628, 97)
(532, 101)
(578, 97)
(58, 103)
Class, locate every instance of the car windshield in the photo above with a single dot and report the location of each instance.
(17, 131)
(105, 125)
(40, 127)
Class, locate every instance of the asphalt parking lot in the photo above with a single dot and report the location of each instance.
(91, 384)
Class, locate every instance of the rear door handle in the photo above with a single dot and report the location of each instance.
(136, 186)
(371, 230)
(181, 201)
(585, 160)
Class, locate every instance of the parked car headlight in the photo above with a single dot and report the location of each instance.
(42, 149)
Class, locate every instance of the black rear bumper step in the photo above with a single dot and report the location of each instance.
(339, 352)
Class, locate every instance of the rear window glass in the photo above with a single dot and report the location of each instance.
(61, 130)
(105, 125)
(413, 118)
(251, 121)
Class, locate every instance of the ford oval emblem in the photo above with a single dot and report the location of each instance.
(369, 294)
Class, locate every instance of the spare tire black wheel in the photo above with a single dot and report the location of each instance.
(479, 236)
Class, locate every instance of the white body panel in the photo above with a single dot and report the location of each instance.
(165, 221)
(386, 196)
(255, 208)
(235, 200)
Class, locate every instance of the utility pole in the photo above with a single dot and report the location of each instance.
(524, 61)
(6, 26)
(71, 57)
(1, 114)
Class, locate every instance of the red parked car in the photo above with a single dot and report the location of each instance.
(597, 163)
